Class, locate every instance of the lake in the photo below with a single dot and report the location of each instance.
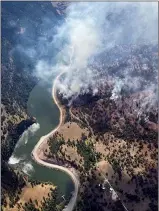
(42, 107)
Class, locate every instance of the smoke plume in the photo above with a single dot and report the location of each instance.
(27, 168)
(93, 30)
(14, 160)
(27, 133)
(92, 39)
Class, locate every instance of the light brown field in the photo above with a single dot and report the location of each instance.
(35, 193)
(71, 130)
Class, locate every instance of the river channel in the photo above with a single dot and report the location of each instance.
(42, 107)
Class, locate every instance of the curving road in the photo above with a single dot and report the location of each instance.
(35, 156)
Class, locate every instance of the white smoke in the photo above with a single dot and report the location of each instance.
(14, 160)
(33, 128)
(88, 30)
(27, 133)
(27, 168)
(117, 89)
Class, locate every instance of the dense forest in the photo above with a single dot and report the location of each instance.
(12, 183)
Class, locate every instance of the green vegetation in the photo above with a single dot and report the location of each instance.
(16, 86)
(12, 184)
(52, 203)
(86, 150)
(55, 144)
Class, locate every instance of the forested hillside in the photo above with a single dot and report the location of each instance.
(17, 78)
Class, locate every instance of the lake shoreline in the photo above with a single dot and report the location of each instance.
(38, 147)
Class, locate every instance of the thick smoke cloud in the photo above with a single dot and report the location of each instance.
(90, 31)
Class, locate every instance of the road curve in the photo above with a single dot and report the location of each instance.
(35, 156)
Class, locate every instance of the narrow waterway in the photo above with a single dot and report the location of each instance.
(42, 107)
